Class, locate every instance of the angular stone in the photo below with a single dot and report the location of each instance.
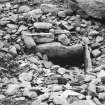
(26, 76)
(2, 97)
(93, 33)
(59, 100)
(12, 89)
(4, 22)
(13, 17)
(62, 14)
(1, 33)
(22, 28)
(17, 46)
(44, 96)
(66, 12)
(13, 50)
(8, 5)
(49, 8)
(1, 44)
(86, 40)
(1, 7)
(59, 31)
(12, 26)
(47, 64)
(20, 98)
(29, 93)
(61, 71)
(24, 9)
(67, 93)
(66, 26)
(96, 52)
(94, 8)
(99, 39)
(43, 37)
(56, 88)
(28, 40)
(64, 39)
(42, 25)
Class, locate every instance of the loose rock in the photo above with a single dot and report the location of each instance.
(61, 71)
(42, 25)
(64, 39)
(43, 37)
(2, 97)
(26, 76)
(96, 52)
(24, 9)
(93, 8)
(12, 89)
(29, 41)
(49, 8)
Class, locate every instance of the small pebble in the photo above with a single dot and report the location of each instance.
(26, 76)
(12, 89)
(93, 32)
(99, 39)
(24, 9)
(61, 71)
(62, 14)
(96, 52)
(43, 103)
(13, 50)
(2, 97)
(56, 88)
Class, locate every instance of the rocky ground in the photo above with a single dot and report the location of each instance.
(52, 52)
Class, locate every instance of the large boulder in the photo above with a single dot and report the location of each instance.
(93, 8)
(62, 54)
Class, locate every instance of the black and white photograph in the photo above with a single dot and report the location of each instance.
(52, 52)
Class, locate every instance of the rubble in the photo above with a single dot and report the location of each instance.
(50, 54)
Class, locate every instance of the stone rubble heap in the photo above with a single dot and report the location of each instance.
(29, 36)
